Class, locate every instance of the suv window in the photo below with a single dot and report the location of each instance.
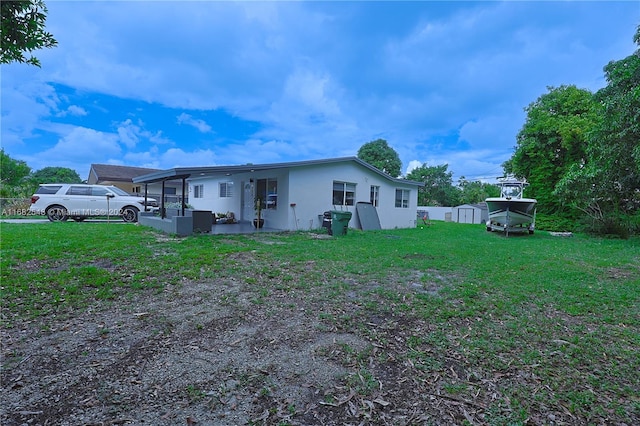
(79, 190)
(48, 189)
(99, 191)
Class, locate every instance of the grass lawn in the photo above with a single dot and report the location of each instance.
(520, 330)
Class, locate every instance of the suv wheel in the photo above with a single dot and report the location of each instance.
(130, 214)
(57, 214)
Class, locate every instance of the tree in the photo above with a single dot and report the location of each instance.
(47, 175)
(12, 171)
(13, 174)
(607, 184)
(55, 175)
(438, 189)
(379, 154)
(615, 145)
(23, 30)
(553, 138)
(476, 191)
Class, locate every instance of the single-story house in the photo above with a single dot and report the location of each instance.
(294, 195)
(471, 213)
(122, 177)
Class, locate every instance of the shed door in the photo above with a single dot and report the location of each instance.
(465, 215)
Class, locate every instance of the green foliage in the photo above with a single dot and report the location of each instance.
(379, 154)
(55, 175)
(476, 191)
(23, 30)
(51, 175)
(611, 223)
(12, 175)
(556, 223)
(177, 205)
(553, 139)
(12, 171)
(606, 186)
(17, 180)
(438, 188)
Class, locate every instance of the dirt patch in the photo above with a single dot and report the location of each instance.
(204, 352)
(225, 352)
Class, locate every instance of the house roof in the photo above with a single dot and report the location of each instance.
(113, 173)
(186, 172)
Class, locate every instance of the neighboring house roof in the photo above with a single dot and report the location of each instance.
(186, 172)
(112, 173)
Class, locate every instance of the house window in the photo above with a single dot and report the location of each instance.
(374, 195)
(226, 189)
(344, 193)
(267, 193)
(198, 191)
(402, 198)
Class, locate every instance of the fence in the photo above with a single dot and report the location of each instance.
(168, 198)
(15, 207)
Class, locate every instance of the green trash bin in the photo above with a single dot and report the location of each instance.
(339, 222)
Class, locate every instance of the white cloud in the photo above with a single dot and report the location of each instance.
(24, 106)
(481, 164)
(77, 150)
(173, 157)
(76, 110)
(176, 157)
(413, 164)
(187, 119)
(131, 134)
(492, 131)
(149, 158)
(128, 133)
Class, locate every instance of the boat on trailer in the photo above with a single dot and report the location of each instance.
(511, 212)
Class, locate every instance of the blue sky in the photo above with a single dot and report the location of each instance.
(168, 84)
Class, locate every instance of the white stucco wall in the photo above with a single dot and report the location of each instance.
(436, 213)
(312, 191)
(211, 191)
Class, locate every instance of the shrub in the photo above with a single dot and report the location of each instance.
(555, 223)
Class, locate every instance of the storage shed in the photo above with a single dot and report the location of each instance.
(471, 213)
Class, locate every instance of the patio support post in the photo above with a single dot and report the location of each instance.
(184, 180)
(163, 211)
(145, 197)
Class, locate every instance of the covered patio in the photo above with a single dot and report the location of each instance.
(184, 225)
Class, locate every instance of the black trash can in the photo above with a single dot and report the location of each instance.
(326, 221)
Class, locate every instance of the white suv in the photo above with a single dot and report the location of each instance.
(62, 201)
